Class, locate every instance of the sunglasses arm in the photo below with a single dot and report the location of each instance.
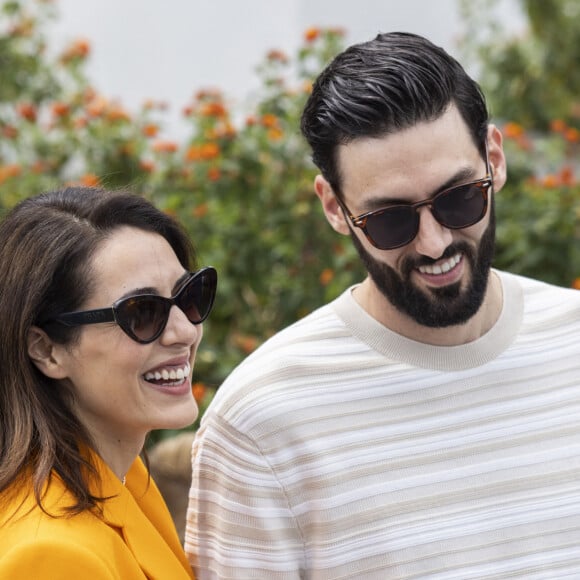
(86, 317)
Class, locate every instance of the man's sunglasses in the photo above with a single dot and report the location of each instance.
(397, 225)
(144, 317)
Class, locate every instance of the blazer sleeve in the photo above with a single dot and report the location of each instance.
(53, 560)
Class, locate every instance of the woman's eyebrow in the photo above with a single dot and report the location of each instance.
(155, 291)
(183, 278)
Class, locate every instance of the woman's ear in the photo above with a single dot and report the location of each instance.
(332, 210)
(45, 353)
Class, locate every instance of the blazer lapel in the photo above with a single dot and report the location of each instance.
(139, 513)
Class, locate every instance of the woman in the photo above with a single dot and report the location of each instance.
(93, 357)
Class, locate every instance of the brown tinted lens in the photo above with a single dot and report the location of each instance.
(196, 297)
(392, 227)
(143, 317)
(461, 206)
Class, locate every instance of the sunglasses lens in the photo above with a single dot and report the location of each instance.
(460, 207)
(197, 296)
(392, 227)
(143, 317)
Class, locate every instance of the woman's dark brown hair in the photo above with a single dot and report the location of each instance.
(46, 248)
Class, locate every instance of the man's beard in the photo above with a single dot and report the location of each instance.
(435, 307)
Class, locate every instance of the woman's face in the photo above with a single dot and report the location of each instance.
(117, 396)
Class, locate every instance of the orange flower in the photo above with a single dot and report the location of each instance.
(200, 210)
(60, 109)
(96, 106)
(79, 49)
(558, 126)
(27, 111)
(147, 166)
(39, 166)
(326, 276)
(193, 153)
(89, 180)
(311, 34)
(275, 134)
(80, 122)
(245, 342)
(164, 146)
(209, 151)
(9, 171)
(567, 176)
(550, 181)
(269, 120)
(117, 113)
(188, 111)
(513, 130)
(150, 130)
(572, 135)
(204, 94)
(576, 284)
(224, 130)
(9, 132)
(251, 121)
(213, 173)
(199, 390)
(277, 56)
(213, 110)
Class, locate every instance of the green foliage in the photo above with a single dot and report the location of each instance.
(530, 77)
(538, 211)
(532, 83)
(243, 190)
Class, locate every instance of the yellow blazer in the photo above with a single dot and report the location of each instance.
(135, 539)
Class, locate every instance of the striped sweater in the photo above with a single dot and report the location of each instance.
(340, 449)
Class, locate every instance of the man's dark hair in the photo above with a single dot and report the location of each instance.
(386, 85)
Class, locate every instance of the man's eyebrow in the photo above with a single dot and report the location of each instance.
(462, 175)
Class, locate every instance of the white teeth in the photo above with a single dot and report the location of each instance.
(169, 375)
(442, 268)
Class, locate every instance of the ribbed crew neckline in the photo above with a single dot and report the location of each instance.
(444, 358)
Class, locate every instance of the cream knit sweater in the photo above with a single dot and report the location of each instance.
(342, 450)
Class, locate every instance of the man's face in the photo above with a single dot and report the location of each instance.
(440, 278)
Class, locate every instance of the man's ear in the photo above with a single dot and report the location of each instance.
(332, 210)
(496, 157)
(45, 353)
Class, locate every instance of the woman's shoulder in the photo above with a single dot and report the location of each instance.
(22, 518)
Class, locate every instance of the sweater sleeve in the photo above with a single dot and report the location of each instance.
(239, 522)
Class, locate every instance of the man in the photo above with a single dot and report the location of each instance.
(425, 423)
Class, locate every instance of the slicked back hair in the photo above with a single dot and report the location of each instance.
(382, 86)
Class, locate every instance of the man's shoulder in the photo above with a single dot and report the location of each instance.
(291, 360)
(540, 289)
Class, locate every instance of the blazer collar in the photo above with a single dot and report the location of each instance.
(138, 512)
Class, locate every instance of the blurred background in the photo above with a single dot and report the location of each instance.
(175, 47)
(196, 105)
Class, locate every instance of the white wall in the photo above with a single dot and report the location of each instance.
(168, 49)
